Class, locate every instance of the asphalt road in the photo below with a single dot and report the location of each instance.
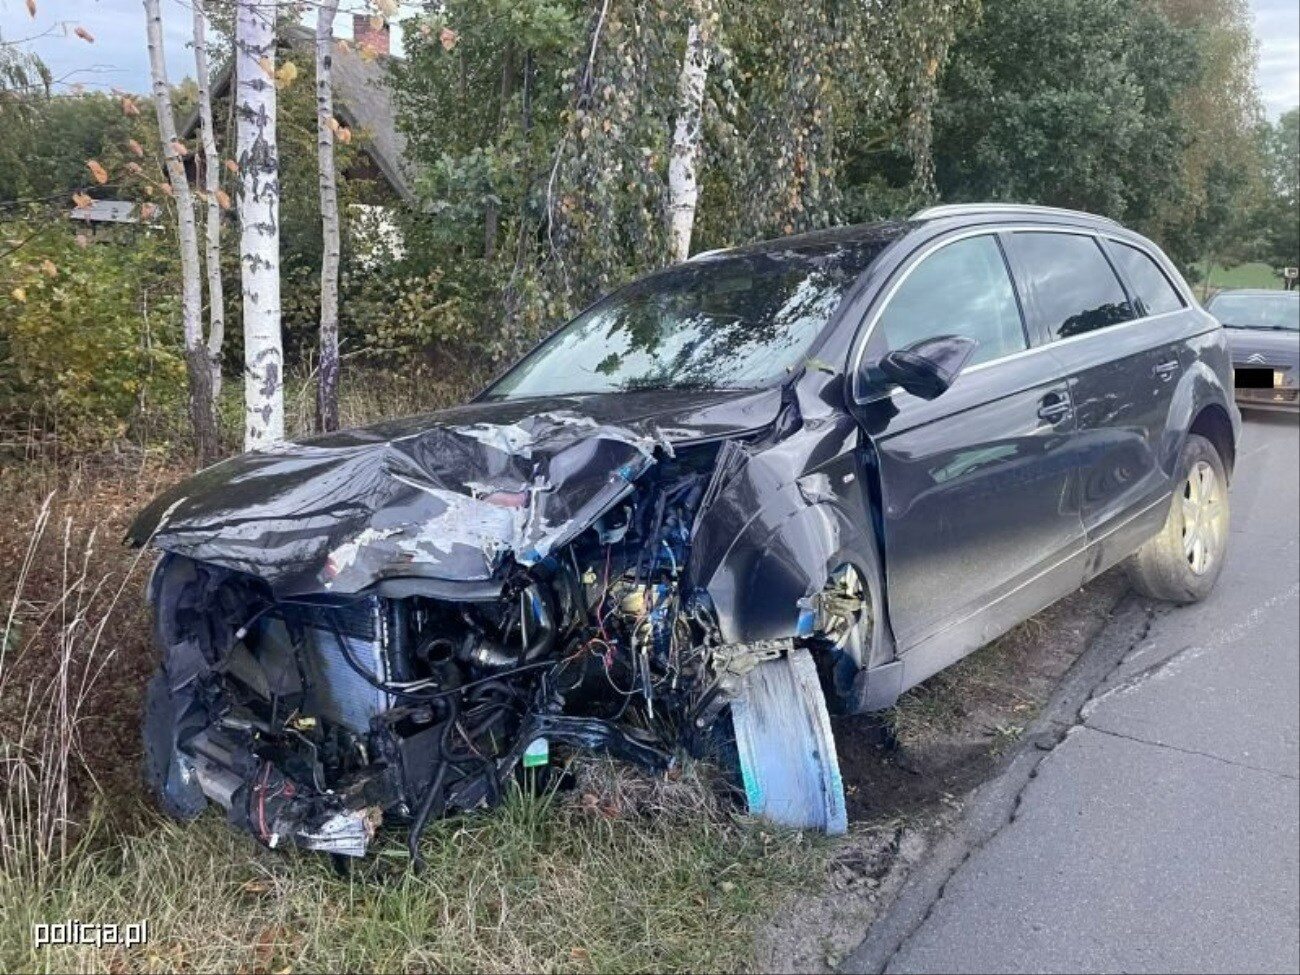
(1162, 832)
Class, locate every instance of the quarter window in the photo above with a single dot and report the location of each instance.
(1074, 288)
(961, 289)
(1148, 282)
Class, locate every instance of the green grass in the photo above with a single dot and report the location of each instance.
(541, 884)
(1254, 275)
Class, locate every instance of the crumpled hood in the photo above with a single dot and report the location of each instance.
(446, 496)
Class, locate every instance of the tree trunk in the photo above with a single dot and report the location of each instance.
(211, 184)
(202, 414)
(259, 222)
(683, 185)
(327, 391)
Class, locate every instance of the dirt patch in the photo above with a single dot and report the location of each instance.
(907, 772)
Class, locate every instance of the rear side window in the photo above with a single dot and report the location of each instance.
(1074, 288)
(1148, 282)
(961, 289)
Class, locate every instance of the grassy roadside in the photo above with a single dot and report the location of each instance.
(539, 885)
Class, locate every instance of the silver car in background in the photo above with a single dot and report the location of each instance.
(1264, 338)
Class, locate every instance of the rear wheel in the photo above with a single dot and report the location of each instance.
(1182, 563)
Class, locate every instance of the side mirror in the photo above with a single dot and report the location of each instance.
(927, 368)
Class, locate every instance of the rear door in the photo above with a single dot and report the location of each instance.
(1123, 360)
(976, 485)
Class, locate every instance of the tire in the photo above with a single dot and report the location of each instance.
(1182, 563)
(176, 793)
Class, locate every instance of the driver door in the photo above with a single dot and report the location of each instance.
(979, 498)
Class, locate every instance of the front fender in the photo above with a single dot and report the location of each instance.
(778, 555)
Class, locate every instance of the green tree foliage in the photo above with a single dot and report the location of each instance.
(1279, 210)
(1066, 102)
(89, 333)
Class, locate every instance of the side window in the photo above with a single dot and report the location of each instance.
(961, 289)
(1073, 285)
(1148, 282)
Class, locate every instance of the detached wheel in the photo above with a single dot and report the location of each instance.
(175, 789)
(1182, 563)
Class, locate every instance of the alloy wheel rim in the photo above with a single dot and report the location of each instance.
(1203, 518)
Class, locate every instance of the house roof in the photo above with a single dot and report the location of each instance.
(106, 211)
(362, 101)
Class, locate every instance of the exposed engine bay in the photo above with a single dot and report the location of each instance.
(313, 717)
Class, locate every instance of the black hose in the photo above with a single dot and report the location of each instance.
(379, 685)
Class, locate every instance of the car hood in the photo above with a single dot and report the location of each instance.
(447, 496)
(1264, 347)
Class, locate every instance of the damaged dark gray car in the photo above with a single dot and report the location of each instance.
(735, 497)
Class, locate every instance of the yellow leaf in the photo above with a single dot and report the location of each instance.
(97, 171)
(448, 37)
(368, 52)
(82, 200)
(223, 199)
(286, 75)
(49, 268)
(84, 34)
(19, 295)
(166, 188)
(376, 22)
(232, 165)
(31, 7)
(134, 168)
(344, 134)
(332, 124)
(180, 147)
(387, 7)
(129, 107)
(267, 65)
(135, 147)
(147, 210)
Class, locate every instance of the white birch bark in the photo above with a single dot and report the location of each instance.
(327, 390)
(202, 415)
(211, 184)
(259, 221)
(683, 183)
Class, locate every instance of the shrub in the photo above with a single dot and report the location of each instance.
(90, 345)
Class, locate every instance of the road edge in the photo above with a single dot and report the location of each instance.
(995, 803)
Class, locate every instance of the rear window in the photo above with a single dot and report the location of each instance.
(1074, 288)
(1149, 283)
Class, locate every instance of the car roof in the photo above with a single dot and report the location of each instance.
(887, 231)
(1257, 292)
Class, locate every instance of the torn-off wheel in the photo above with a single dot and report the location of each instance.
(788, 763)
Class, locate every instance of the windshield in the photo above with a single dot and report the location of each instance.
(1280, 311)
(723, 323)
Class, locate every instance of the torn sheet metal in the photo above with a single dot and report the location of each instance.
(787, 753)
(451, 502)
(446, 496)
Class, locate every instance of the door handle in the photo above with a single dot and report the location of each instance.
(1054, 408)
(1166, 370)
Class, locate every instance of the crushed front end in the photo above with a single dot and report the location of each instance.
(397, 640)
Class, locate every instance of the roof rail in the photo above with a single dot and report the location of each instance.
(960, 209)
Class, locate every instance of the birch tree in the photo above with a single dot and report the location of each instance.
(683, 182)
(259, 221)
(197, 359)
(212, 190)
(327, 390)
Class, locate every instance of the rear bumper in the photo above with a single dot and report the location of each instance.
(1282, 399)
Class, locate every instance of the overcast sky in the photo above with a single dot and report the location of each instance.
(118, 59)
